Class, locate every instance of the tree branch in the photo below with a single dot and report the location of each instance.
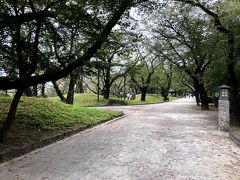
(8, 83)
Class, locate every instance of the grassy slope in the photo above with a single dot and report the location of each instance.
(38, 113)
(85, 100)
(38, 118)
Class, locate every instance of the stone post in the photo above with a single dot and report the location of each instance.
(224, 108)
(223, 115)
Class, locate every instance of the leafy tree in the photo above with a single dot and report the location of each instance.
(185, 41)
(215, 75)
(224, 24)
(115, 57)
(24, 27)
(142, 73)
(166, 83)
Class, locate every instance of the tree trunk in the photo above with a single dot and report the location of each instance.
(234, 107)
(165, 98)
(34, 90)
(124, 87)
(197, 98)
(79, 85)
(199, 86)
(107, 84)
(167, 88)
(43, 90)
(164, 93)
(143, 94)
(98, 84)
(58, 91)
(204, 101)
(145, 88)
(107, 91)
(11, 115)
(203, 97)
(196, 93)
(236, 114)
(70, 94)
(28, 92)
(232, 82)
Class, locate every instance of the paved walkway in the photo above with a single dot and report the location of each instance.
(168, 141)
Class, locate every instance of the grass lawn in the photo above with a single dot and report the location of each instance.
(86, 100)
(38, 118)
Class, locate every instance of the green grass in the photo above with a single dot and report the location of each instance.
(39, 113)
(150, 99)
(90, 100)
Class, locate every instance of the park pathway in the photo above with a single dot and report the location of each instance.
(168, 141)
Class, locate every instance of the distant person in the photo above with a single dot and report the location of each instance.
(128, 95)
(121, 94)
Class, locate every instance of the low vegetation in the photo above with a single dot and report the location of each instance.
(90, 100)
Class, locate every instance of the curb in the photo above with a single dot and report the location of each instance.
(19, 151)
(235, 138)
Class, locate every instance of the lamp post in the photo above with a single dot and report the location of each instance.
(224, 92)
(223, 108)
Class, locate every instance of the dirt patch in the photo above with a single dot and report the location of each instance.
(19, 137)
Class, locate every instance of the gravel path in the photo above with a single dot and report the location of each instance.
(166, 141)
